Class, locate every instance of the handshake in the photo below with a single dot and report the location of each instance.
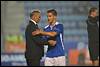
(40, 32)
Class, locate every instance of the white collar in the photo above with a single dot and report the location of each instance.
(33, 21)
(54, 24)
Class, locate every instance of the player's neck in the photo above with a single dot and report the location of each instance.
(53, 23)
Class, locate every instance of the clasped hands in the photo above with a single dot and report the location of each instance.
(39, 31)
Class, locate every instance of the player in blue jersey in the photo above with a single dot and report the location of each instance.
(55, 55)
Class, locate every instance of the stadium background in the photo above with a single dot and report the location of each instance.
(72, 14)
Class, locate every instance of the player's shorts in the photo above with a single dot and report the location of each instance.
(55, 61)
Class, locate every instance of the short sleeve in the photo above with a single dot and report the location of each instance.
(58, 28)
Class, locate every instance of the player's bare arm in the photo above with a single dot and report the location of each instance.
(37, 32)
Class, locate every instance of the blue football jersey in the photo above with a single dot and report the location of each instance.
(58, 49)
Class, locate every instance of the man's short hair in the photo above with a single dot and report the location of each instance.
(92, 9)
(53, 11)
(34, 11)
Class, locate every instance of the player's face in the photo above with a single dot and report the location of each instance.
(50, 18)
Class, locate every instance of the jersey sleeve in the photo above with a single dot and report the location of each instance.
(58, 29)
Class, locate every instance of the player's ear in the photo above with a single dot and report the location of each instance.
(55, 17)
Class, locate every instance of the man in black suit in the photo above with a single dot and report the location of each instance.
(93, 35)
(34, 44)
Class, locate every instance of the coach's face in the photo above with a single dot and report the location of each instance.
(51, 18)
(37, 17)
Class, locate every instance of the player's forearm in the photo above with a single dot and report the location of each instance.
(52, 42)
(52, 34)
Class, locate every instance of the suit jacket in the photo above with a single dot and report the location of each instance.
(34, 44)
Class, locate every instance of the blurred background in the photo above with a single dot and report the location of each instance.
(72, 14)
